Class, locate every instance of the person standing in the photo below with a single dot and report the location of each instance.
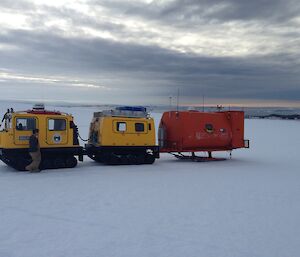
(34, 151)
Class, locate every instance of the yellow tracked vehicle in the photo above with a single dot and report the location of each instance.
(58, 138)
(125, 135)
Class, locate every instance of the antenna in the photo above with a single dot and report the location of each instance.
(170, 99)
(177, 99)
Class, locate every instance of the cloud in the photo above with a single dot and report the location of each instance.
(53, 81)
(151, 48)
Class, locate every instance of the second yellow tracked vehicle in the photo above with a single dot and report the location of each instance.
(125, 135)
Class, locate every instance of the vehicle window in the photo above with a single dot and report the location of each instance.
(25, 124)
(139, 127)
(121, 126)
(56, 124)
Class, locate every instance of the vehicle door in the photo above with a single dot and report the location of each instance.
(23, 127)
(57, 131)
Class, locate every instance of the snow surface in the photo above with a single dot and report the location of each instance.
(247, 206)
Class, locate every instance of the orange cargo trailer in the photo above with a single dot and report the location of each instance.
(194, 131)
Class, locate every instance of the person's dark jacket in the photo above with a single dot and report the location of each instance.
(33, 144)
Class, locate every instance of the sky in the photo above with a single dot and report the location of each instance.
(144, 52)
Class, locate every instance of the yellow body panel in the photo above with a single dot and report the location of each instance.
(106, 129)
(13, 137)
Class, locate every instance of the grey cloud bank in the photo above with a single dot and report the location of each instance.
(143, 51)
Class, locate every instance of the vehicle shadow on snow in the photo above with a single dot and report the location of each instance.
(7, 171)
(223, 161)
(170, 161)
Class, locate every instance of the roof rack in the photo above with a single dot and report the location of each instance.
(38, 106)
(124, 111)
(132, 108)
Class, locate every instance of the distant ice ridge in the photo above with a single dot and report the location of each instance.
(250, 112)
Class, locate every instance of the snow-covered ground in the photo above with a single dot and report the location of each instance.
(248, 206)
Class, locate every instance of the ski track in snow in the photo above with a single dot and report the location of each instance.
(248, 206)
